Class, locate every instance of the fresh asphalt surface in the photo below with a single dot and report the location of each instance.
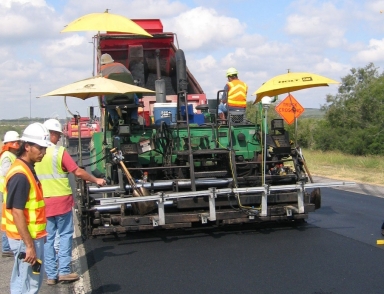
(334, 252)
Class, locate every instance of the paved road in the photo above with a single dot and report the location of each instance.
(335, 252)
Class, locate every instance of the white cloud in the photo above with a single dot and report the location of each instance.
(22, 23)
(201, 27)
(317, 23)
(71, 52)
(132, 9)
(9, 3)
(324, 37)
(373, 53)
(328, 66)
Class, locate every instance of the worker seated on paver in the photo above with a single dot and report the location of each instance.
(118, 72)
(234, 99)
(128, 101)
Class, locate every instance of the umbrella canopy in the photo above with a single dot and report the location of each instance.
(105, 22)
(96, 86)
(290, 82)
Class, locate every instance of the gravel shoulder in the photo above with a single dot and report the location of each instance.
(367, 189)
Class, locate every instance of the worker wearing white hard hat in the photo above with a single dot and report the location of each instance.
(55, 129)
(53, 125)
(53, 172)
(235, 95)
(23, 217)
(11, 144)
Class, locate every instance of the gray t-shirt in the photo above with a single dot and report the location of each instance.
(5, 165)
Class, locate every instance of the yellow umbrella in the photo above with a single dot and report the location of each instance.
(290, 82)
(105, 22)
(96, 86)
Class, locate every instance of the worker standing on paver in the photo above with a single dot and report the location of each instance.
(53, 173)
(11, 144)
(23, 214)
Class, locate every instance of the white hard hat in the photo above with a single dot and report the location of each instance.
(36, 133)
(53, 125)
(106, 58)
(11, 136)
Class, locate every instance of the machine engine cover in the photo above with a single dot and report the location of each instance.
(124, 130)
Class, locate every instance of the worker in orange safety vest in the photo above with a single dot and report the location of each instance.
(235, 95)
(11, 145)
(23, 211)
(109, 67)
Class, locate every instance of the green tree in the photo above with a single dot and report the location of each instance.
(353, 121)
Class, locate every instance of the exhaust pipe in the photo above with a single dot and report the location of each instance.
(159, 83)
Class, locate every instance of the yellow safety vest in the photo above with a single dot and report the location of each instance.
(12, 158)
(34, 210)
(54, 180)
(237, 94)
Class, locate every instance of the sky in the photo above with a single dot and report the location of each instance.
(261, 39)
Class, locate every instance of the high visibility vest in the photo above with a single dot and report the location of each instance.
(12, 158)
(113, 67)
(34, 211)
(54, 180)
(237, 93)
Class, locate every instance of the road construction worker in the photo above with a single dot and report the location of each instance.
(23, 214)
(109, 67)
(11, 144)
(53, 173)
(235, 95)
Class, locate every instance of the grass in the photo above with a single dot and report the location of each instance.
(360, 169)
(339, 166)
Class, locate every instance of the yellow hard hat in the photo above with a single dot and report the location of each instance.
(232, 71)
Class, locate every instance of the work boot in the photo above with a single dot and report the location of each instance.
(7, 254)
(134, 122)
(69, 278)
(51, 282)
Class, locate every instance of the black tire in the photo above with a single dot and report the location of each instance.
(315, 198)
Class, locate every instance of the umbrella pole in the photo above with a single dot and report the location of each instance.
(79, 150)
(98, 53)
(295, 130)
(264, 165)
(93, 58)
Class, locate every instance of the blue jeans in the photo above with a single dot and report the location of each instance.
(22, 279)
(5, 243)
(60, 264)
(57, 241)
(115, 116)
(222, 108)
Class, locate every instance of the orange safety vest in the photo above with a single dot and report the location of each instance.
(237, 94)
(34, 211)
(114, 67)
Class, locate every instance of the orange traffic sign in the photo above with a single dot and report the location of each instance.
(289, 108)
